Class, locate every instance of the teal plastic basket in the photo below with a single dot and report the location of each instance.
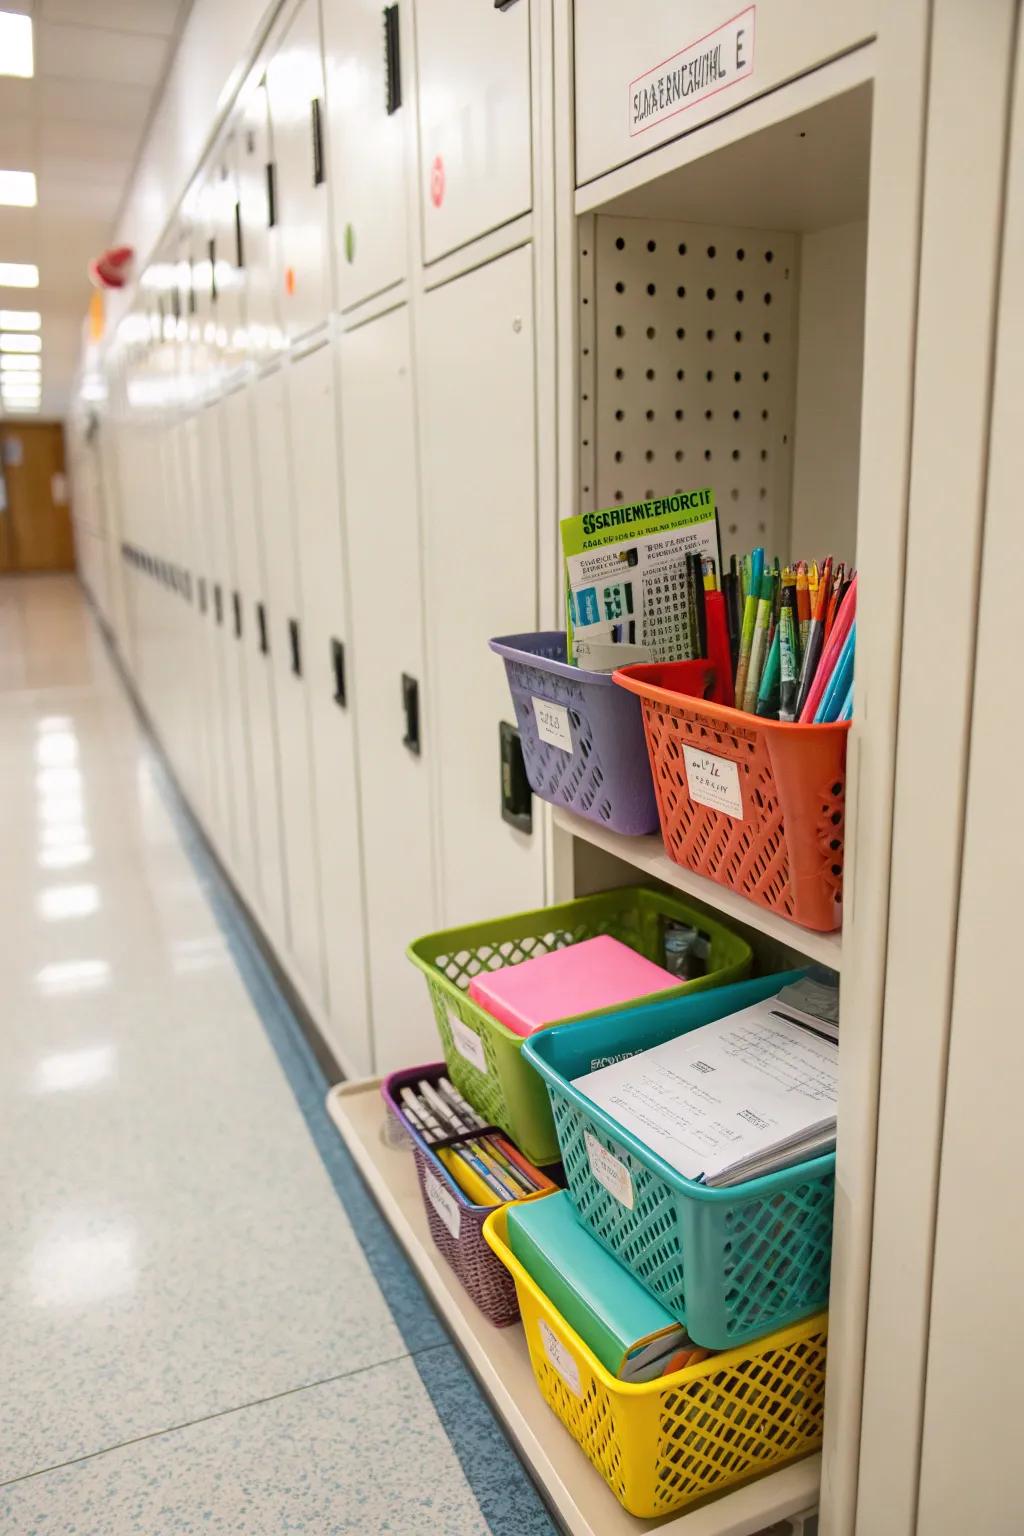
(730, 1264)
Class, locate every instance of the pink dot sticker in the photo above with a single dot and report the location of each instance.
(437, 182)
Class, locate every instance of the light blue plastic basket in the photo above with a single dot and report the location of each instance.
(731, 1264)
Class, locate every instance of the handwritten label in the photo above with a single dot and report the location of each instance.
(467, 1042)
(444, 1204)
(560, 1358)
(552, 723)
(713, 781)
(702, 69)
(609, 1171)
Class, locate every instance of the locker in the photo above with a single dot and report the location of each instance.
(479, 487)
(327, 665)
(647, 74)
(473, 69)
(230, 633)
(255, 181)
(288, 640)
(258, 671)
(366, 116)
(295, 94)
(225, 237)
(210, 676)
(379, 472)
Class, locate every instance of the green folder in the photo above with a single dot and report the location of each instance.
(630, 1333)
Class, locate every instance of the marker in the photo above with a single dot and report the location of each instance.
(768, 693)
(789, 667)
(815, 640)
(803, 602)
(760, 642)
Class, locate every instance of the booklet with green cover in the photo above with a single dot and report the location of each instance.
(626, 576)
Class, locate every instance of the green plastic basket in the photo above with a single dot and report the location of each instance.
(484, 1058)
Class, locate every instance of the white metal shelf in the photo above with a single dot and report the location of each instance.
(499, 1356)
(648, 855)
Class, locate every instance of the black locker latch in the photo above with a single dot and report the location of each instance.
(516, 795)
(411, 706)
(392, 61)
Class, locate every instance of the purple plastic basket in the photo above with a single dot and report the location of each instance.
(606, 776)
(455, 1222)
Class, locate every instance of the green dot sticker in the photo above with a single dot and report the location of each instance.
(350, 244)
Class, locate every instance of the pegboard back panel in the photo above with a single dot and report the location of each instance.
(692, 337)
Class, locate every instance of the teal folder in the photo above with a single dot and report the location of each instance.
(630, 1333)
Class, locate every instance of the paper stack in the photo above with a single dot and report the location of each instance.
(737, 1098)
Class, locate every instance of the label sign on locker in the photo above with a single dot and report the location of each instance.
(705, 67)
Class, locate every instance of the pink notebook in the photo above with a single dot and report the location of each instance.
(595, 974)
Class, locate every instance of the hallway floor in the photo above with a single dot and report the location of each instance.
(206, 1325)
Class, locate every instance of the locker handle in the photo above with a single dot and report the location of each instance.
(261, 626)
(271, 195)
(318, 142)
(239, 252)
(516, 795)
(296, 646)
(202, 594)
(392, 61)
(504, 5)
(211, 251)
(218, 603)
(236, 603)
(411, 705)
(338, 663)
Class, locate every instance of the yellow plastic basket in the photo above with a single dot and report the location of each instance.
(667, 1443)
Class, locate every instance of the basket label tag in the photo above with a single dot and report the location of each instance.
(560, 1358)
(609, 1171)
(467, 1042)
(444, 1203)
(713, 781)
(552, 723)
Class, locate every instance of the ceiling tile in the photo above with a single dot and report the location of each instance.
(156, 17)
(93, 101)
(90, 53)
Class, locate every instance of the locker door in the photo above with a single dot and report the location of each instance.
(295, 92)
(975, 1351)
(231, 634)
(225, 235)
(311, 398)
(256, 212)
(289, 652)
(259, 678)
(210, 678)
(379, 471)
(477, 402)
(366, 143)
(473, 64)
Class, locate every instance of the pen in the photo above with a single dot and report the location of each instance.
(815, 640)
(750, 607)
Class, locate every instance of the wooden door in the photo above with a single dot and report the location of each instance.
(35, 525)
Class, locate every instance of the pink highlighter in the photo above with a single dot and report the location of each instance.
(599, 973)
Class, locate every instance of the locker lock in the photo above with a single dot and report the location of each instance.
(516, 795)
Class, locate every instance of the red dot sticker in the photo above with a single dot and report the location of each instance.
(437, 182)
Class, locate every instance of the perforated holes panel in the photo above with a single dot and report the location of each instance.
(694, 335)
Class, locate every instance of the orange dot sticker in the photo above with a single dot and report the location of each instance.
(289, 281)
(437, 182)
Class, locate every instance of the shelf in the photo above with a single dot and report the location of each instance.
(500, 1360)
(648, 855)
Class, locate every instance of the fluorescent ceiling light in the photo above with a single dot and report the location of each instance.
(20, 383)
(19, 341)
(18, 189)
(24, 405)
(16, 45)
(18, 274)
(20, 319)
(31, 392)
(19, 362)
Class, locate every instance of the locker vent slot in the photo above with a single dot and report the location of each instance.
(271, 195)
(296, 646)
(239, 249)
(211, 250)
(693, 330)
(338, 667)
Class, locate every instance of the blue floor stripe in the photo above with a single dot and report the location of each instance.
(507, 1497)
